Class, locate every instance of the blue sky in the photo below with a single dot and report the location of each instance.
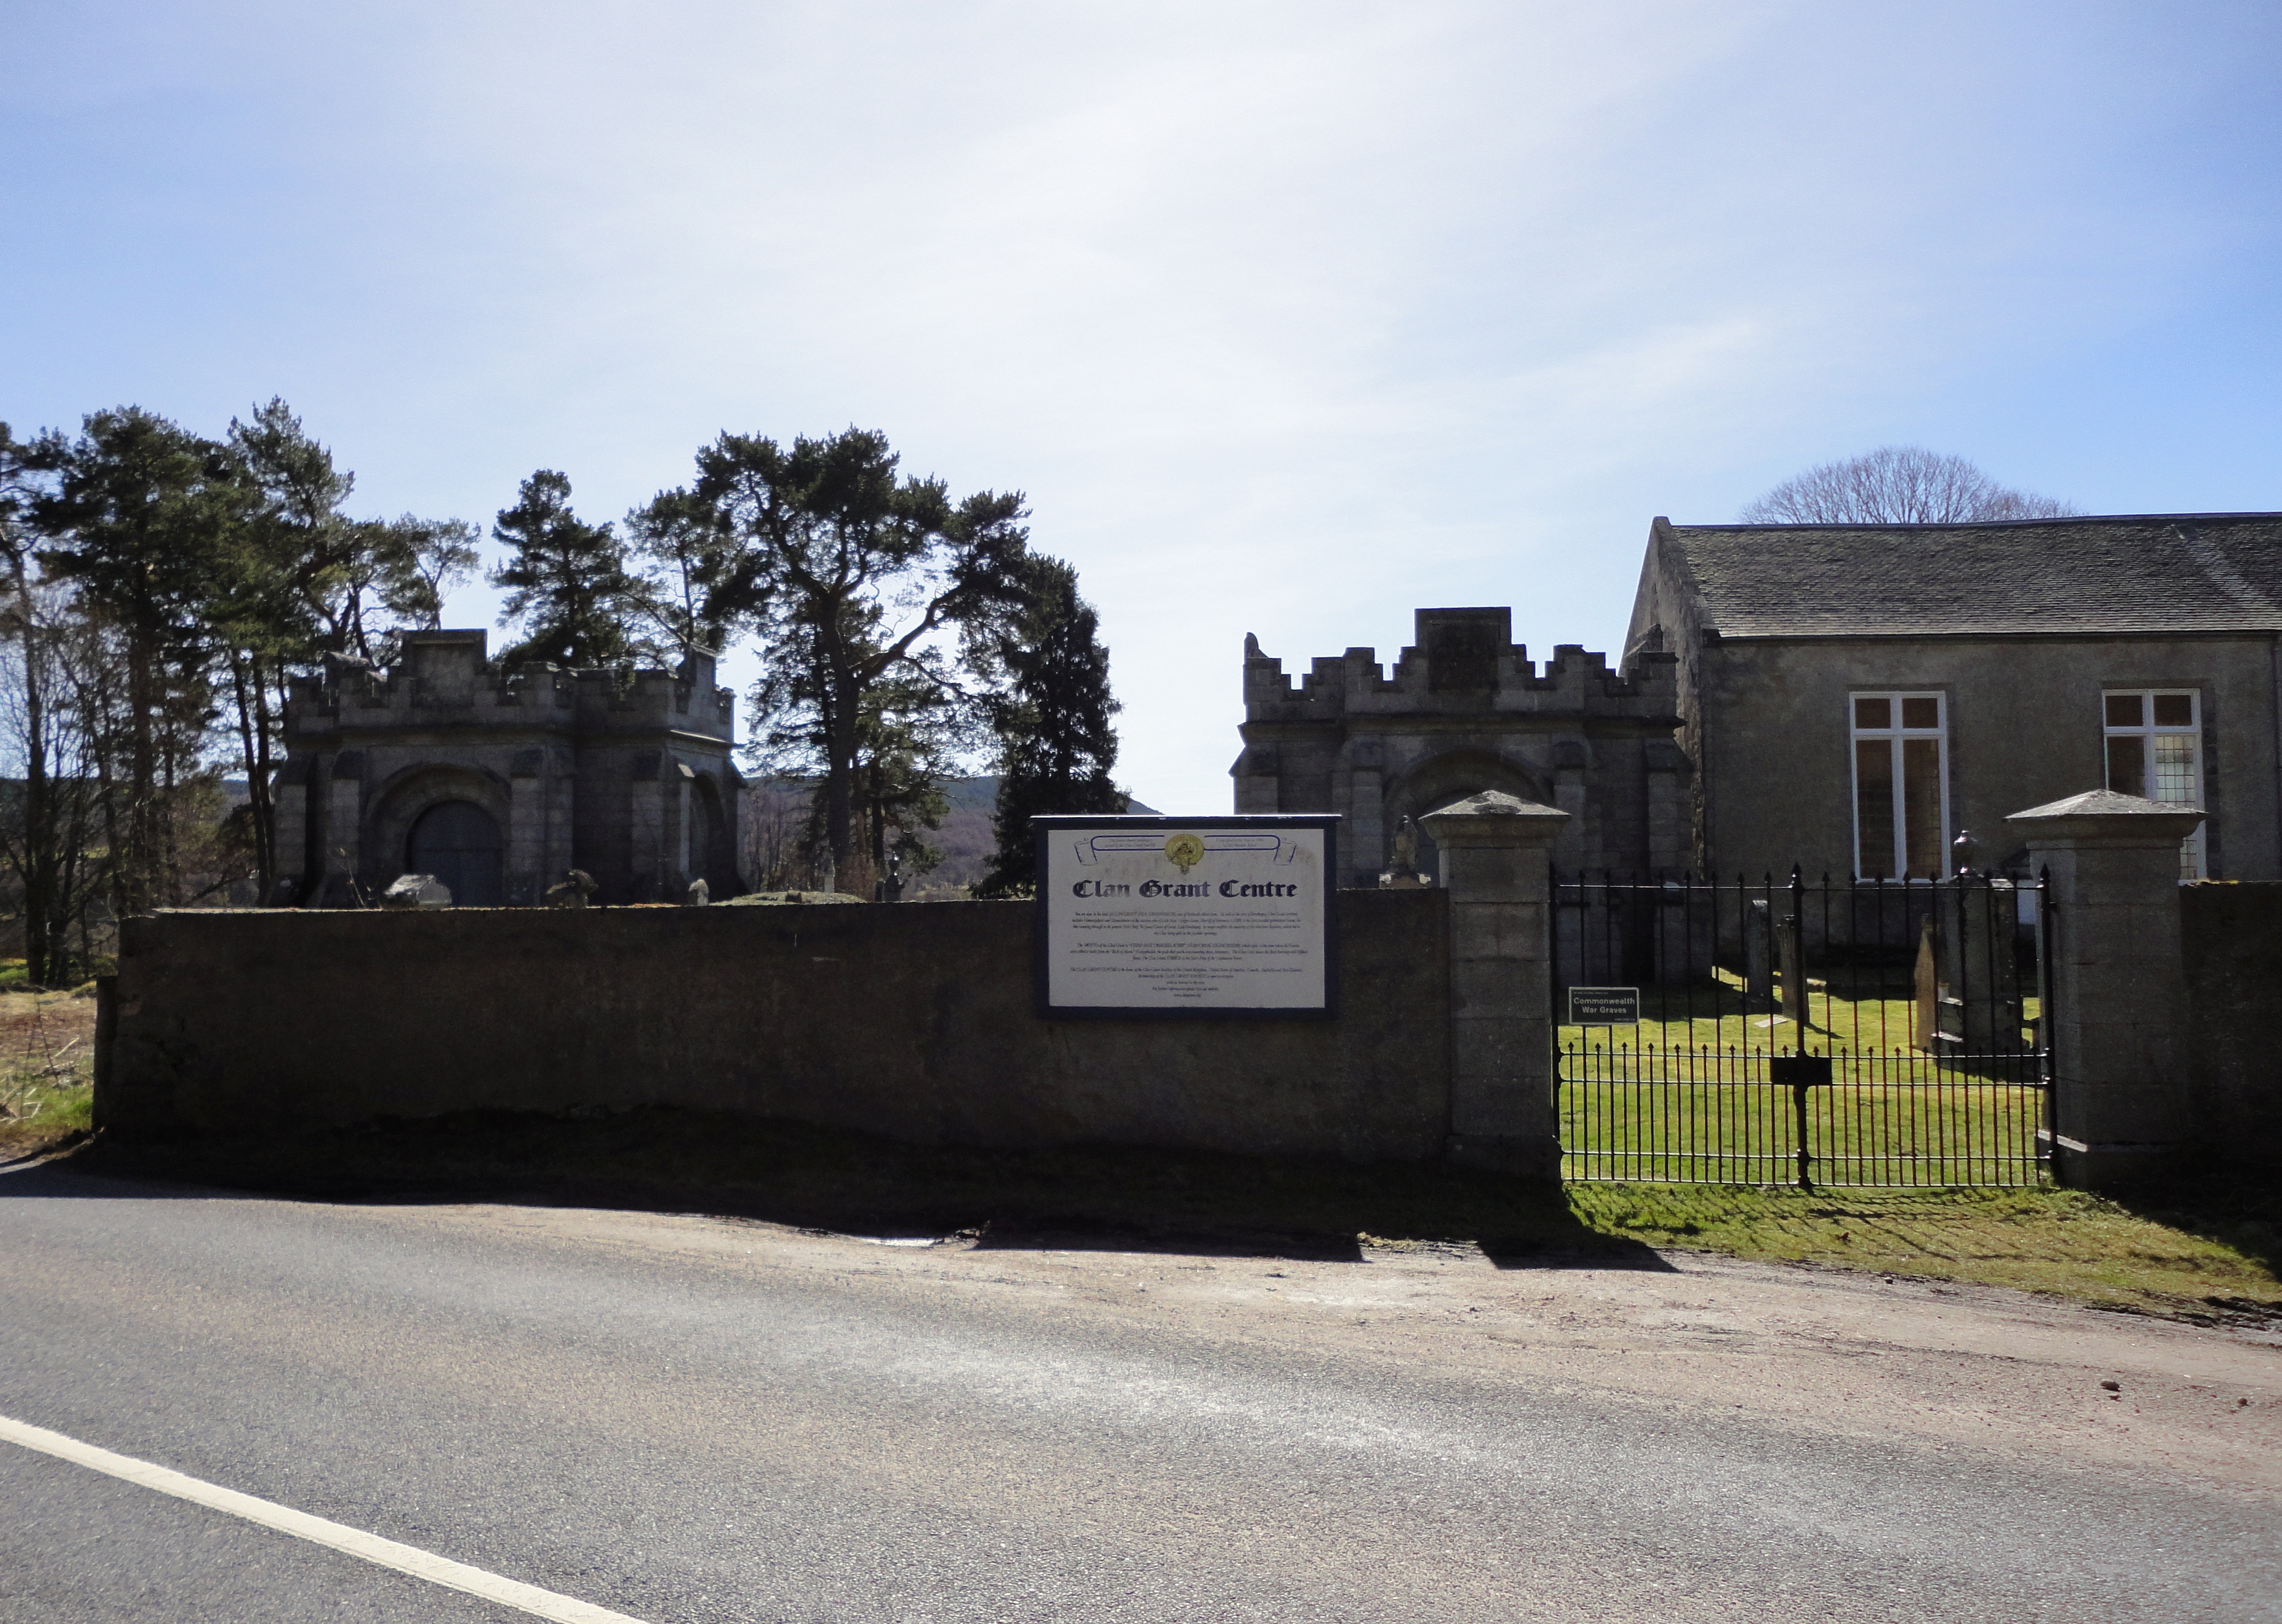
(1287, 317)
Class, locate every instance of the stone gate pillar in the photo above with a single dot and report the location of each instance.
(2118, 983)
(1495, 853)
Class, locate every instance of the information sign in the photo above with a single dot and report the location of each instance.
(1604, 1007)
(1195, 916)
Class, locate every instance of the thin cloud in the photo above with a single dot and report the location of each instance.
(1287, 317)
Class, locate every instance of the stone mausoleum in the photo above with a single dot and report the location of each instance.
(497, 780)
(1464, 711)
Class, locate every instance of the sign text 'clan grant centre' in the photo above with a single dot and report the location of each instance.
(1199, 916)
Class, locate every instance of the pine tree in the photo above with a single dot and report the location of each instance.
(853, 575)
(143, 520)
(1056, 743)
(568, 587)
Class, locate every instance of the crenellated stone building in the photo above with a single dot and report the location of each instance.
(1464, 711)
(497, 780)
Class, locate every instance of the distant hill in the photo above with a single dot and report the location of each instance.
(966, 838)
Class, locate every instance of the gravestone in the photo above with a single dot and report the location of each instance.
(578, 885)
(1402, 866)
(416, 892)
(1758, 956)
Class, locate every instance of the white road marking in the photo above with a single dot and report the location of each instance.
(338, 1536)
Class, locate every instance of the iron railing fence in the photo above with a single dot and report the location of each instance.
(1865, 1033)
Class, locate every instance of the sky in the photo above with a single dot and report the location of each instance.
(1288, 319)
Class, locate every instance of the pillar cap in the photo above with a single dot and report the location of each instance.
(2106, 817)
(1494, 817)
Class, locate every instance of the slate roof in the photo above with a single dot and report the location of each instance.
(2138, 572)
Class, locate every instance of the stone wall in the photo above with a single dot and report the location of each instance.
(914, 1021)
(2231, 942)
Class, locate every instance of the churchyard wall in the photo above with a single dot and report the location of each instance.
(2231, 938)
(915, 1021)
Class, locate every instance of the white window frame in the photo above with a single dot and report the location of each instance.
(2193, 851)
(1894, 736)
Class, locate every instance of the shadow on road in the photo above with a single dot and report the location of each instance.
(1094, 1198)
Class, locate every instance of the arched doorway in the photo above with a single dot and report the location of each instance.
(459, 842)
(1434, 784)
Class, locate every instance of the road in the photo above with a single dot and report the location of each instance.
(687, 1419)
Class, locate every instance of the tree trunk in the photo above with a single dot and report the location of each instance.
(837, 695)
(39, 845)
(877, 813)
(253, 737)
(168, 880)
(136, 877)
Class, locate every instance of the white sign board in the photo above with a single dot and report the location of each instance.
(1207, 916)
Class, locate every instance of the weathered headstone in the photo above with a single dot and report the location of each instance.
(1758, 955)
(1926, 988)
(1402, 864)
(1791, 956)
(416, 892)
(1976, 978)
(578, 885)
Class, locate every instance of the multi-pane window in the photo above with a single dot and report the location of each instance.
(2155, 750)
(1901, 802)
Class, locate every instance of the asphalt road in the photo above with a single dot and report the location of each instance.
(689, 1419)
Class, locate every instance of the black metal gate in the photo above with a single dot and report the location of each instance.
(1872, 1032)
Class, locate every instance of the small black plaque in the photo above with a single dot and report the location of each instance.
(1799, 1070)
(1604, 1006)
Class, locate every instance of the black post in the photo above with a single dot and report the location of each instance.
(1799, 1106)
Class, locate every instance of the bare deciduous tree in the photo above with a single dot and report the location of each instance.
(1898, 485)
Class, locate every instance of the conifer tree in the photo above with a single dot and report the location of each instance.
(142, 520)
(852, 572)
(1056, 743)
(569, 586)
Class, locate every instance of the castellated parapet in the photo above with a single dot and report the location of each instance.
(505, 776)
(1464, 710)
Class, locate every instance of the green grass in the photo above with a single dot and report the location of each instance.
(47, 1065)
(15, 977)
(39, 1115)
(1863, 1014)
(1945, 1132)
(2205, 1251)
(1691, 1097)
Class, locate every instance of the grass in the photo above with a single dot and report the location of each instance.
(1944, 1130)
(2206, 1253)
(43, 1117)
(1689, 1093)
(2209, 1253)
(47, 1064)
(1863, 1012)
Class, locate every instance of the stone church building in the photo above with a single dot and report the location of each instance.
(498, 779)
(1864, 700)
